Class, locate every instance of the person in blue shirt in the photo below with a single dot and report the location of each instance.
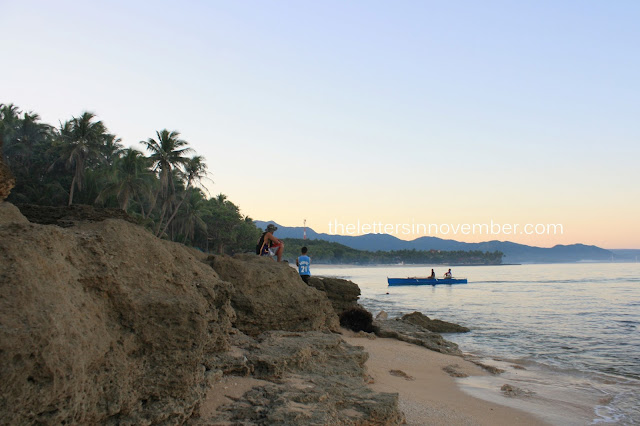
(303, 262)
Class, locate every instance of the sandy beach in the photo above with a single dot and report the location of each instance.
(428, 394)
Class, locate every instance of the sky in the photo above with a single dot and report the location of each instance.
(392, 113)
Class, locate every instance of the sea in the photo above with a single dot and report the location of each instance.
(566, 335)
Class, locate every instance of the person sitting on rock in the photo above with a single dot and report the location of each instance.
(270, 245)
(303, 262)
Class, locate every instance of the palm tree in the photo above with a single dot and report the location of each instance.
(191, 215)
(9, 122)
(222, 222)
(167, 152)
(25, 142)
(111, 149)
(81, 141)
(130, 178)
(28, 134)
(195, 169)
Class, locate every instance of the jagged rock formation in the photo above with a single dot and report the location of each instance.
(435, 325)
(100, 322)
(10, 214)
(7, 182)
(103, 323)
(418, 335)
(71, 215)
(357, 319)
(342, 294)
(311, 378)
(271, 296)
(382, 316)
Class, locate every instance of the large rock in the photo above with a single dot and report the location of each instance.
(7, 182)
(342, 294)
(415, 334)
(435, 325)
(105, 324)
(271, 296)
(308, 378)
(66, 216)
(10, 213)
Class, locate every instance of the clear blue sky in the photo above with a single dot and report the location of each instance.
(432, 112)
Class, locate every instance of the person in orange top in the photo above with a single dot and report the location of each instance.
(271, 246)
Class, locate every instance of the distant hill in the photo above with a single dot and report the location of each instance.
(330, 252)
(514, 253)
(630, 255)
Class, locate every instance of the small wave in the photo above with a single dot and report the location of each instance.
(607, 414)
(620, 408)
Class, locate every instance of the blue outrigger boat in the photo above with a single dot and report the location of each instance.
(425, 281)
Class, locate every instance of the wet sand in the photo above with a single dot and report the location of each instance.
(428, 394)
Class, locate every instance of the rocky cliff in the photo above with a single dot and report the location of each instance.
(342, 294)
(271, 296)
(101, 322)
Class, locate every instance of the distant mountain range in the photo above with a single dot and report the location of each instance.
(514, 253)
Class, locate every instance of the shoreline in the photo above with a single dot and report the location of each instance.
(427, 393)
(554, 373)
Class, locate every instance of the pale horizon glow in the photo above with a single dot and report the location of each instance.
(393, 112)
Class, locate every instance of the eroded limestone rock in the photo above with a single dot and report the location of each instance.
(271, 296)
(105, 324)
(411, 333)
(314, 378)
(343, 294)
(435, 325)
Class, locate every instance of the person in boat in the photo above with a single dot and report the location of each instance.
(447, 275)
(433, 275)
(270, 245)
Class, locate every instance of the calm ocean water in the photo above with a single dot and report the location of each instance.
(574, 328)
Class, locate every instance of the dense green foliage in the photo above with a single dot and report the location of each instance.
(80, 162)
(328, 252)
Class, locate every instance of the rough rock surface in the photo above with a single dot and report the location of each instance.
(271, 296)
(10, 213)
(70, 215)
(314, 378)
(382, 316)
(435, 325)
(7, 182)
(411, 333)
(514, 391)
(102, 323)
(105, 324)
(342, 294)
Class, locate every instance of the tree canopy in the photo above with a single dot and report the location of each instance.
(81, 162)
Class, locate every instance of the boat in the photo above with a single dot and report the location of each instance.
(425, 281)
